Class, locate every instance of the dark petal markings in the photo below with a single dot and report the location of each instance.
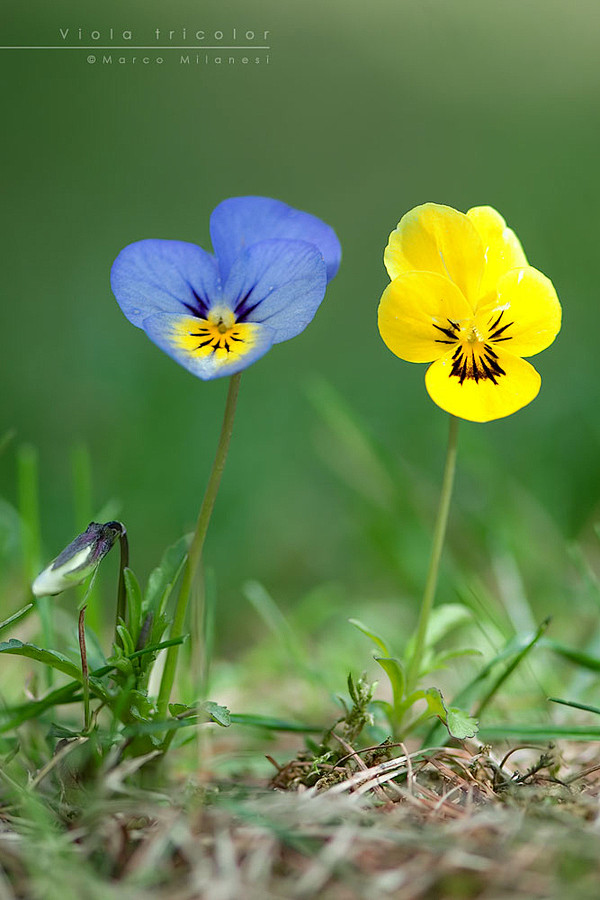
(446, 331)
(199, 309)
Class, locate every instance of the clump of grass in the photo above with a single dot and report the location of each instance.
(441, 822)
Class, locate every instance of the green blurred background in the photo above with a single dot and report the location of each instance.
(364, 111)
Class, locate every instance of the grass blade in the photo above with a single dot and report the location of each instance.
(273, 724)
(575, 705)
(16, 617)
(540, 732)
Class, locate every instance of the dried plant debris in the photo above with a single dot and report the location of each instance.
(382, 822)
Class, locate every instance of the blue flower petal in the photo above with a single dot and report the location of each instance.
(240, 222)
(154, 276)
(280, 283)
(182, 338)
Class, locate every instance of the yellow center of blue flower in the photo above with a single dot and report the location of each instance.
(217, 335)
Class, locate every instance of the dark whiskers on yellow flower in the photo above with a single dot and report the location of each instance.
(464, 298)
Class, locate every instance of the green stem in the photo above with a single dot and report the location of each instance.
(195, 552)
(414, 665)
(85, 674)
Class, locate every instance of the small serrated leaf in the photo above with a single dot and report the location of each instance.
(219, 714)
(459, 723)
(208, 711)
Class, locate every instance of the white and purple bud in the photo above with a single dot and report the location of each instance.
(78, 560)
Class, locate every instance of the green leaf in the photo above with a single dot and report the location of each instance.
(435, 703)
(219, 714)
(158, 727)
(394, 670)
(35, 708)
(60, 732)
(140, 705)
(67, 694)
(46, 657)
(126, 640)
(54, 660)
(134, 604)
(459, 723)
(184, 716)
(160, 624)
(162, 579)
(212, 712)
(161, 645)
(371, 634)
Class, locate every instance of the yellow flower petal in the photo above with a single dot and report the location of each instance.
(416, 315)
(434, 238)
(529, 303)
(502, 248)
(485, 399)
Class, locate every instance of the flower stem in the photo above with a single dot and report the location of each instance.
(195, 552)
(85, 675)
(416, 658)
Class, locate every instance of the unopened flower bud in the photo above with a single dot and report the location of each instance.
(78, 560)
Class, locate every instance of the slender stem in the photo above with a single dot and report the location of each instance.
(414, 665)
(85, 675)
(121, 590)
(195, 552)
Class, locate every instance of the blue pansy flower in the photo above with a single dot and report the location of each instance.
(217, 314)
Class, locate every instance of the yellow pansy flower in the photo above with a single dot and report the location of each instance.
(464, 298)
